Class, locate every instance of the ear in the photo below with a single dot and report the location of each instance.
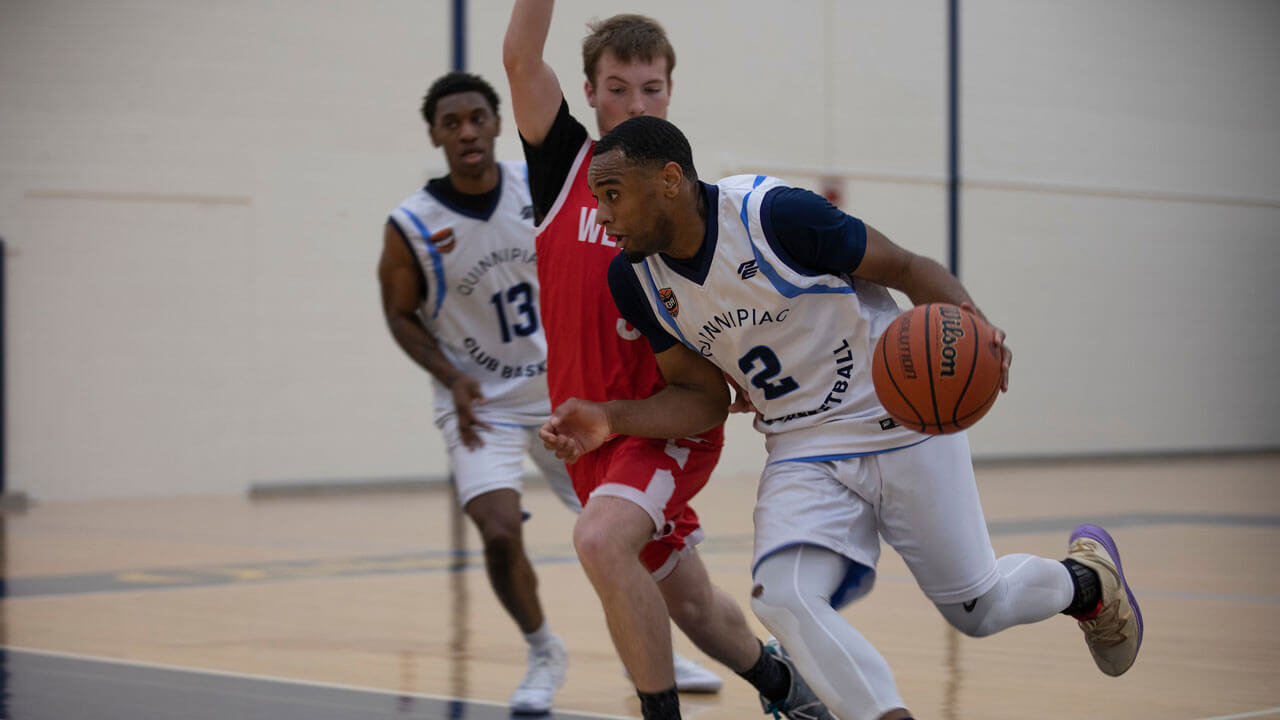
(497, 125)
(672, 179)
(590, 91)
(431, 133)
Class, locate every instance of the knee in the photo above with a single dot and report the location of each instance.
(597, 547)
(970, 623)
(502, 542)
(777, 605)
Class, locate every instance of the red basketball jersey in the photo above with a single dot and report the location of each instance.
(592, 353)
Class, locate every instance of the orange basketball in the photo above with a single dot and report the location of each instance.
(935, 369)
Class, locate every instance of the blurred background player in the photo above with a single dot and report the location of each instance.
(797, 334)
(482, 343)
(636, 534)
(459, 289)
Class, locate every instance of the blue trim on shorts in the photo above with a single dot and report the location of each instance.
(853, 576)
(825, 458)
(526, 427)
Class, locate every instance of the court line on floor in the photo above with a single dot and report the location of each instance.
(431, 561)
(1257, 713)
(284, 680)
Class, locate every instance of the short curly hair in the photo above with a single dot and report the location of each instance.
(452, 84)
(646, 140)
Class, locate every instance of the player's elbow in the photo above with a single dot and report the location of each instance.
(516, 57)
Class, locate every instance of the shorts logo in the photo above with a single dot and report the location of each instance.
(444, 240)
(748, 269)
(669, 301)
(888, 423)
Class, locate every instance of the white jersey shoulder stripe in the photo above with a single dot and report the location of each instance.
(655, 302)
(751, 221)
(437, 263)
(566, 188)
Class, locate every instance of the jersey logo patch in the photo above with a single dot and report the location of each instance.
(444, 240)
(526, 212)
(888, 423)
(669, 301)
(748, 269)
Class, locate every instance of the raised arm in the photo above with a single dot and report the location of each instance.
(695, 400)
(535, 90)
(401, 293)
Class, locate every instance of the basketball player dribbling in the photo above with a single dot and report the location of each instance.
(636, 534)
(797, 331)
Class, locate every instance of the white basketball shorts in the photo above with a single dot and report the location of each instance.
(922, 500)
(500, 463)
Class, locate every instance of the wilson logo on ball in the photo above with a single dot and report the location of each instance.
(952, 330)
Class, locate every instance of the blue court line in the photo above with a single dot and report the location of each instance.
(433, 561)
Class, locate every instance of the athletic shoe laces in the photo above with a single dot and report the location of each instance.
(1107, 628)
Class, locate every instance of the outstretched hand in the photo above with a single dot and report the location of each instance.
(997, 339)
(466, 396)
(576, 428)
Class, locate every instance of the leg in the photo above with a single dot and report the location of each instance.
(608, 537)
(711, 619)
(792, 597)
(497, 516)
(932, 516)
(935, 521)
(488, 481)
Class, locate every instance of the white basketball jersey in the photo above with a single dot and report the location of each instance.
(800, 344)
(481, 297)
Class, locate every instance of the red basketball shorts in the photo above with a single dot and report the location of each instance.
(660, 476)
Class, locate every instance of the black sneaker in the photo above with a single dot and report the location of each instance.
(800, 703)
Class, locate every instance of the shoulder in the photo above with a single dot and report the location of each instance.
(412, 211)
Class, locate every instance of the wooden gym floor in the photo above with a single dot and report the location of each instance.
(353, 606)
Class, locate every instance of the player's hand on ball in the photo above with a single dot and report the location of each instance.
(1006, 354)
(576, 428)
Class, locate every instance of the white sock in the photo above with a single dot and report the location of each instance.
(541, 636)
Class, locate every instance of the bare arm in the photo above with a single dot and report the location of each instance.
(695, 400)
(401, 294)
(535, 89)
(924, 281)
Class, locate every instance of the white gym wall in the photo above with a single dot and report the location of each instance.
(192, 197)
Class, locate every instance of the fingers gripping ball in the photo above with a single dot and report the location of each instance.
(936, 370)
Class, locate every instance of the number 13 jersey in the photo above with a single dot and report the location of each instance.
(480, 281)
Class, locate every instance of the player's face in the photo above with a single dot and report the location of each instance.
(465, 127)
(625, 90)
(630, 205)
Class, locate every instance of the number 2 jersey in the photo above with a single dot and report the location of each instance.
(770, 299)
(480, 282)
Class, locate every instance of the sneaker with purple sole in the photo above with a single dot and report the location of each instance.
(1113, 629)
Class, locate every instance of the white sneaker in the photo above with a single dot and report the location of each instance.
(690, 676)
(693, 678)
(547, 668)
